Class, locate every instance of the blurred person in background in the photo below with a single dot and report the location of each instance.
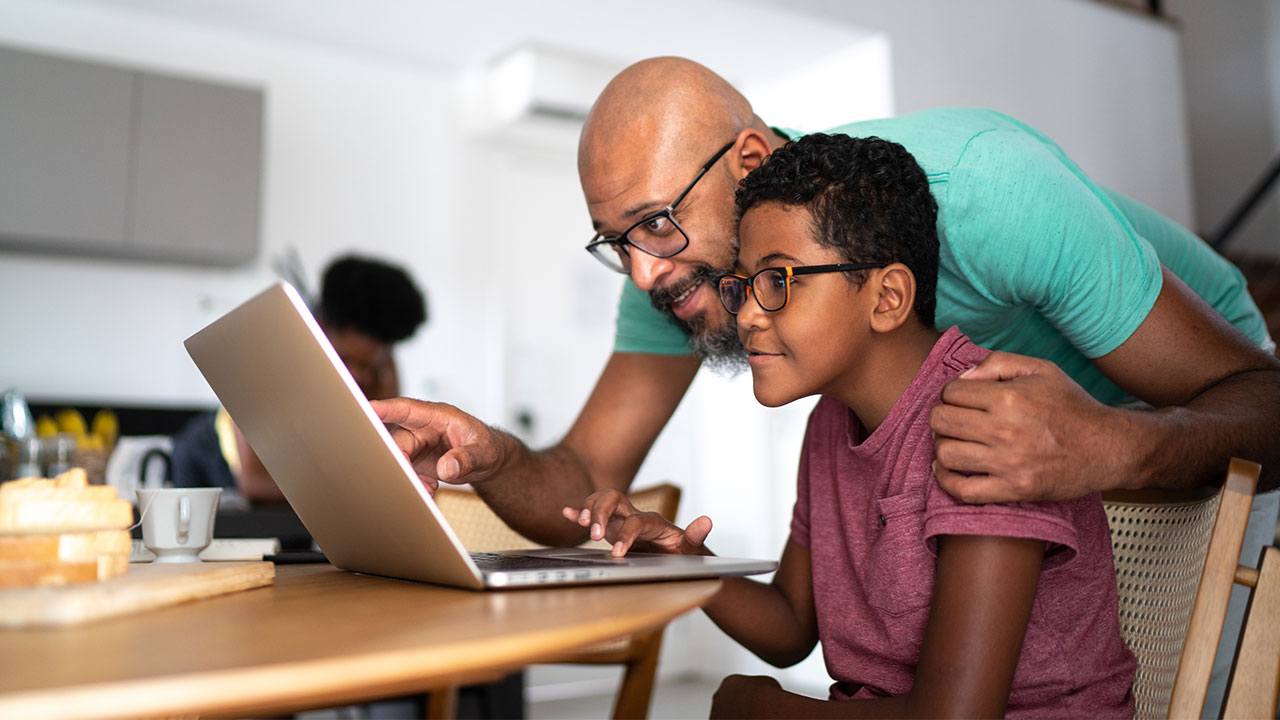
(366, 308)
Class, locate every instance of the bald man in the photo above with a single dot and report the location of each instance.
(1101, 299)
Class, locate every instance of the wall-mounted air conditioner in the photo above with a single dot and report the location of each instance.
(537, 85)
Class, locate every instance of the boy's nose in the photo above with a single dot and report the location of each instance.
(751, 316)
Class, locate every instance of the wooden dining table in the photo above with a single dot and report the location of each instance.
(317, 637)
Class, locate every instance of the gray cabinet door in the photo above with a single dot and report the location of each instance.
(198, 176)
(64, 152)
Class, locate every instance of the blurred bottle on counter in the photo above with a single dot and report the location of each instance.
(15, 416)
(29, 458)
(61, 451)
(16, 428)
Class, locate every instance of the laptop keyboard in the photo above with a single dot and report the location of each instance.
(499, 561)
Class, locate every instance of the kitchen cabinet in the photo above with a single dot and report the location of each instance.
(65, 131)
(197, 177)
(100, 160)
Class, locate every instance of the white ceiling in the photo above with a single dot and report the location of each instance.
(464, 33)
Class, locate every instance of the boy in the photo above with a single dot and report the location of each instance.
(925, 606)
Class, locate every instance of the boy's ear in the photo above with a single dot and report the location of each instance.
(895, 286)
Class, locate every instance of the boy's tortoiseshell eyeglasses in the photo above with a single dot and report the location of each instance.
(771, 287)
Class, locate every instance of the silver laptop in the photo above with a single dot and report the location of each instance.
(298, 406)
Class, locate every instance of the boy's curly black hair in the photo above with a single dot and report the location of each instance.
(869, 200)
(372, 297)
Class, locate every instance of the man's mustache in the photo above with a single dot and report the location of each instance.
(663, 298)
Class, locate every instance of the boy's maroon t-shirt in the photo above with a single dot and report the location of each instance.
(870, 511)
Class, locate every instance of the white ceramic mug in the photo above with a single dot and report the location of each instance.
(177, 523)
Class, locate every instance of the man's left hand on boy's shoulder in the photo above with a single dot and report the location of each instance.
(741, 696)
(1017, 428)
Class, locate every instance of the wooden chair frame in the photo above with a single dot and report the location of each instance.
(1210, 609)
(1256, 680)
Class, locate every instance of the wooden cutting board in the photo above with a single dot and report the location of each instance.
(145, 586)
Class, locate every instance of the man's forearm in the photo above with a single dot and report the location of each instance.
(631, 403)
(531, 487)
(1189, 445)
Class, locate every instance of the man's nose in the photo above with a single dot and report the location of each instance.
(647, 270)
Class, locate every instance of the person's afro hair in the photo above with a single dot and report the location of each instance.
(372, 297)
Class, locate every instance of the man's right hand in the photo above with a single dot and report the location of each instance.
(629, 406)
(443, 443)
(611, 516)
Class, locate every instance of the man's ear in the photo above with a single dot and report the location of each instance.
(752, 148)
(895, 288)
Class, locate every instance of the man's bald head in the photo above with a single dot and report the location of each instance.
(668, 109)
(644, 139)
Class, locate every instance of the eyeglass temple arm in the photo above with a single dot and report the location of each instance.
(841, 267)
(701, 172)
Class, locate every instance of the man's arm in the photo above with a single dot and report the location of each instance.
(631, 403)
(1017, 428)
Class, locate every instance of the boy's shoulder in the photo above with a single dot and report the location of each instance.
(952, 355)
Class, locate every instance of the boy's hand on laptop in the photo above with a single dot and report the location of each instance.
(612, 517)
(442, 442)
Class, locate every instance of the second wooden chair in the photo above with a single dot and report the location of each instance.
(480, 530)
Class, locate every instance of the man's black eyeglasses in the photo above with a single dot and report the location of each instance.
(771, 287)
(657, 234)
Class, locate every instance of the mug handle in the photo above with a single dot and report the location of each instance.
(184, 518)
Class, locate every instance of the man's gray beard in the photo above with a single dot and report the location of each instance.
(719, 349)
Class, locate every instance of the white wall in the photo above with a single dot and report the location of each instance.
(1233, 102)
(1105, 83)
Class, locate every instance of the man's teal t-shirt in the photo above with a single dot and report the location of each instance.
(1035, 257)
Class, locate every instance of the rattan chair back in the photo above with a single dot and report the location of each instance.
(480, 530)
(1159, 552)
(476, 526)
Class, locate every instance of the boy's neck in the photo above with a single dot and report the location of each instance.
(891, 364)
